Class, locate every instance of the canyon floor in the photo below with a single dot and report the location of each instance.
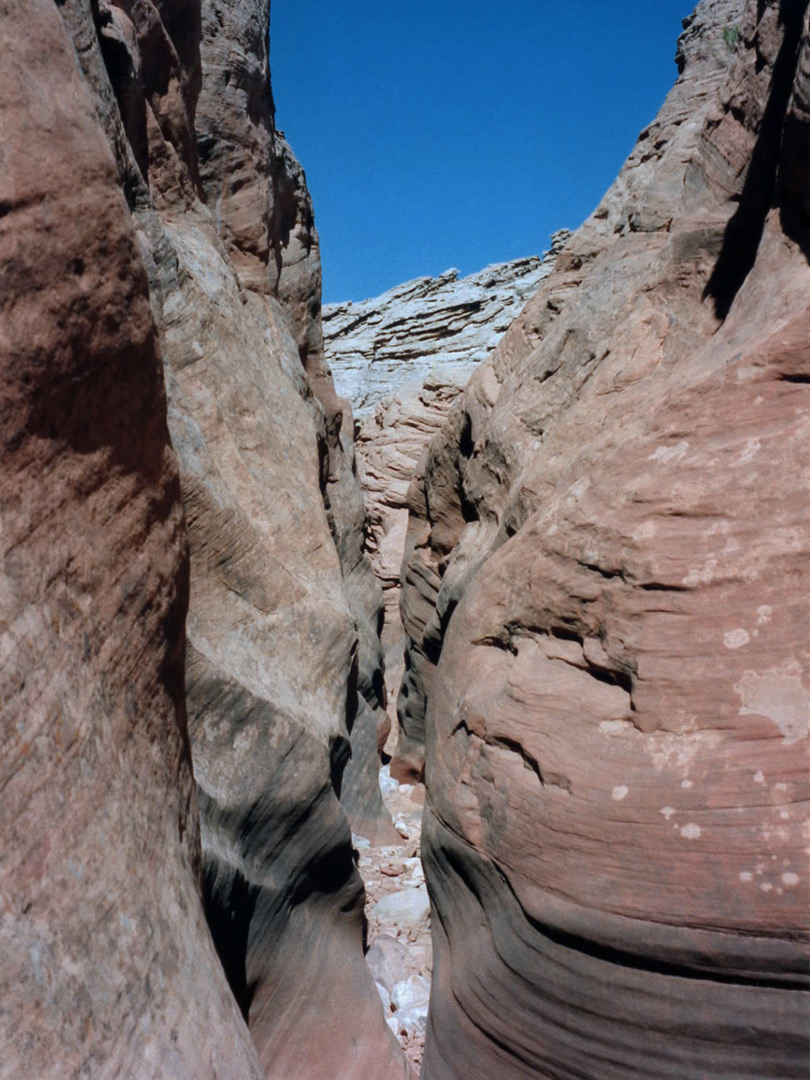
(400, 953)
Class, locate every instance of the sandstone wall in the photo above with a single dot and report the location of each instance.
(265, 219)
(283, 661)
(606, 595)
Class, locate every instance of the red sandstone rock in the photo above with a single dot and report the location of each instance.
(257, 191)
(390, 444)
(608, 557)
(106, 965)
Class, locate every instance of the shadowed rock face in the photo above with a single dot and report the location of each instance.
(390, 445)
(106, 965)
(283, 664)
(258, 195)
(608, 559)
(282, 621)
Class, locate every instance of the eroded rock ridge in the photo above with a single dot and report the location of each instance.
(429, 329)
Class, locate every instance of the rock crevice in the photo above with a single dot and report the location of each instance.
(403, 359)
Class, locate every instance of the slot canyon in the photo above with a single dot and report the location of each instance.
(412, 686)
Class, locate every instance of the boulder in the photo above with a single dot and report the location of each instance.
(385, 998)
(410, 1022)
(406, 908)
(410, 992)
(388, 959)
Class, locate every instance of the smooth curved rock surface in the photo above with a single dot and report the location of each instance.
(107, 969)
(608, 562)
(213, 231)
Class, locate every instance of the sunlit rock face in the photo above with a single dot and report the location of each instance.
(155, 214)
(434, 330)
(606, 592)
(264, 216)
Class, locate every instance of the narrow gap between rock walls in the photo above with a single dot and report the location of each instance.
(400, 952)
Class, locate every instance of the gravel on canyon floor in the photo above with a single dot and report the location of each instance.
(400, 953)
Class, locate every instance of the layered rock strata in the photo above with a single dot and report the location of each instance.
(403, 358)
(429, 330)
(606, 595)
(283, 660)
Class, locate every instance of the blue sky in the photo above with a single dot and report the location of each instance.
(439, 133)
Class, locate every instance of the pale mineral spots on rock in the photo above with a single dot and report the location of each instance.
(752, 447)
(614, 727)
(701, 575)
(735, 639)
(620, 792)
(764, 613)
(691, 831)
(668, 811)
(686, 784)
(759, 777)
(790, 879)
(577, 490)
(670, 453)
(780, 695)
(777, 832)
(677, 750)
(746, 876)
(645, 531)
(244, 740)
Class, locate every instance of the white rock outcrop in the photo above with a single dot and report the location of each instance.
(437, 329)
